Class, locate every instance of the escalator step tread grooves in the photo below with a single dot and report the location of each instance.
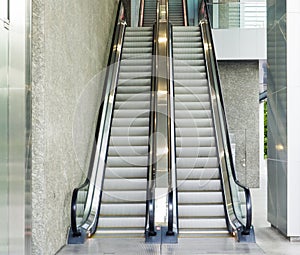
(149, 13)
(200, 201)
(176, 12)
(123, 207)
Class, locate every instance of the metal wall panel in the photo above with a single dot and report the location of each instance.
(16, 122)
(14, 79)
(3, 139)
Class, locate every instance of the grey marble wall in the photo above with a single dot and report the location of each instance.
(240, 86)
(70, 46)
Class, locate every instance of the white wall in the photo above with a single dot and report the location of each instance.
(240, 43)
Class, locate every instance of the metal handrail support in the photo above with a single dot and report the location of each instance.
(165, 164)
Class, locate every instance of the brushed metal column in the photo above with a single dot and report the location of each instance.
(4, 33)
(15, 23)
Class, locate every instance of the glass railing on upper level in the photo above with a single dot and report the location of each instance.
(237, 15)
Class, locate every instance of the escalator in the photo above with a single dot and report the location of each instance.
(112, 201)
(149, 13)
(123, 206)
(200, 201)
(211, 200)
(176, 12)
(162, 128)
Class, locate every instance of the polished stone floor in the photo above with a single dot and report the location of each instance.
(268, 240)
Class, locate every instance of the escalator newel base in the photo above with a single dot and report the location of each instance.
(76, 239)
(168, 237)
(246, 238)
(150, 237)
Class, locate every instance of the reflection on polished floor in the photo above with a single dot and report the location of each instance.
(268, 240)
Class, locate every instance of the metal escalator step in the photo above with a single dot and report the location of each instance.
(189, 28)
(129, 64)
(204, 233)
(132, 105)
(192, 106)
(183, 50)
(189, 69)
(132, 44)
(134, 82)
(138, 232)
(128, 151)
(189, 62)
(186, 39)
(139, 33)
(143, 67)
(124, 196)
(130, 76)
(196, 98)
(191, 114)
(128, 141)
(123, 209)
(195, 141)
(187, 33)
(127, 161)
(137, 39)
(197, 173)
(194, 131)
(136, 50)
(187, 45)
(125, 184)
(186, 56)
(126, 172)
(121, 222)
(193, 122)
(198, 210)
(188, 75)
(132, 29)
(142, 55)
(196, 152)
(133, 97)
(133, 89)
(198, 185)
(189, 162)
(189, 83)
(200, 197)
(190, 91)
(129, 122)
(203, 223)
(129, 131)
(131, 113)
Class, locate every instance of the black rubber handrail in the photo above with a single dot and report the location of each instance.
(74, 226)
(150, 203)
(172, 198)
(203, 12)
